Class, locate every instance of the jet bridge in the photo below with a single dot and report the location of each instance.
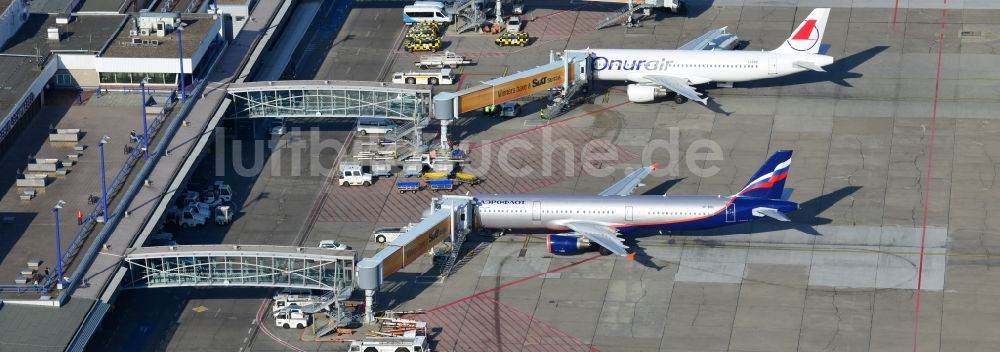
(450, 217)
(566, 74)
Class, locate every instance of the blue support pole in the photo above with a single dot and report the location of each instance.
(145, 128)
(104, 186)
(180, 53)
(59, 262)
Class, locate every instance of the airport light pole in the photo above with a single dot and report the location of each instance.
(145, 125)
(59, 262)
(104, 185)
(180, 54)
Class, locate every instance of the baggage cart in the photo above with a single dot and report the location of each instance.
(413, 168)
(407, 186)
(438, 185)
(442, 60)
(381, 168)
(467, 178)
(435, 175)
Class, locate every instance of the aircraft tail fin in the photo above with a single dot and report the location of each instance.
(808, 36)
(769, 181)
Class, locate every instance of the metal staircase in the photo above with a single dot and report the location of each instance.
(410, 132)
(400, 132)
(451, 259)
(622, 15)
(563, 101)
(338, 318)
(471, 14)
(468, 256)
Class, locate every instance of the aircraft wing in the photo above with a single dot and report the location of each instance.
(628, 184)
(678, 85)
(712, 40)
(602, 235)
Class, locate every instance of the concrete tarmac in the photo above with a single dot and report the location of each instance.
(840, 276)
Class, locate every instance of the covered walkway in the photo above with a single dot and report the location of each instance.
(240, 265)
(329, 99)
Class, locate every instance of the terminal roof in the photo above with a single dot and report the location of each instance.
(197, 27)
(85, 33)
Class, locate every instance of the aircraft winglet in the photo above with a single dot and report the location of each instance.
(631, 256)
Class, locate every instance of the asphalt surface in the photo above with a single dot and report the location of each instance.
(841, 276)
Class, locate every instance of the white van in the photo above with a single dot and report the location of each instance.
(378, 125)
(427, 11)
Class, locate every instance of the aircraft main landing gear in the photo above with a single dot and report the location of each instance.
(680, 99)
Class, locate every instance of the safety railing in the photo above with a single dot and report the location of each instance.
(90, 220)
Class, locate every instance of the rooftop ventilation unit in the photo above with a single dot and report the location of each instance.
(53, 33)
(63, 18)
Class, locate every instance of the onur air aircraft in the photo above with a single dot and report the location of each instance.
(658, 72)
(580, 221)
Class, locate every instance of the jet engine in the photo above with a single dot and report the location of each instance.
(562, 244)
(641, 93)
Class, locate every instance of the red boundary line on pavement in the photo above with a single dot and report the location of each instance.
(895, 10)
(927, 182)
(263, 327)
(563, 335)
(515, 282)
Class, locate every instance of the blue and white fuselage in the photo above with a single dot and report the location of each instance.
(580, 220)
(626, 214)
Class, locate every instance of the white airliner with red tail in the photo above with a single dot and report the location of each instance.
(657, 73)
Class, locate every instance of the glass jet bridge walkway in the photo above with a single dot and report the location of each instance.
(348, 99)
(241, 266)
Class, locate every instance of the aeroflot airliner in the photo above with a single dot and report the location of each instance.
(600, 219)
(658, 72)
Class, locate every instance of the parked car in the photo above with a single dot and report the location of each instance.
(331, 244)
(387, 234)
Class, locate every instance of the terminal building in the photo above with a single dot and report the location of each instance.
(98, 51)
(49, 51)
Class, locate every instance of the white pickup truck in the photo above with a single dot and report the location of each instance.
(292, 317)
(351, 174)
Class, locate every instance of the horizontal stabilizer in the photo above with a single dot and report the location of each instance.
(771, 213)
(809, 66)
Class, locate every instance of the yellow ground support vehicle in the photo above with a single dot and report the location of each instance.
(512, 39)
(467, 178)
(427, 24)
(435, 175)
(423, 44)
(416, 32)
